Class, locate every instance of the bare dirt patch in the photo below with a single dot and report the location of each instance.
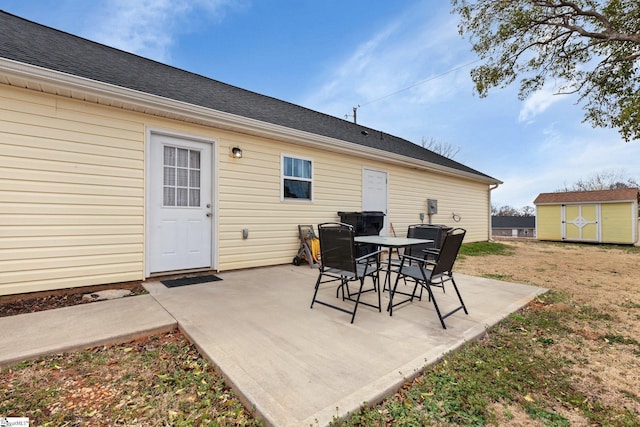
(601, 282)
(592, 274)
(156, 381)
(11, 305)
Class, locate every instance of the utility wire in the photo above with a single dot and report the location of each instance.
(419, 83)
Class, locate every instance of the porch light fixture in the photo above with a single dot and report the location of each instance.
(236, 152)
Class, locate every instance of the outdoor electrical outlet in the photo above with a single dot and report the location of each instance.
(245, 233)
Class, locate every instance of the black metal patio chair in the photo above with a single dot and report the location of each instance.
(340, 264)
(427, 250)
(427, 273)
(424, 231)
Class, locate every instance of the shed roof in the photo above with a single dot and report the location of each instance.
(617, 195)
(30, 43)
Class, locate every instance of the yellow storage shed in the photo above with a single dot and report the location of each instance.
(602, 216)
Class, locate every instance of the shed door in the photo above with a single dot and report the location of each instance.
(374, 193)
(180, 204)
(581, 222)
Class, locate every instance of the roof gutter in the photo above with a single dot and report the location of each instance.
(62, 84)
(491, 188)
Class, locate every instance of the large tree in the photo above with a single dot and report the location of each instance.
(443, 148)
(592, 47)
(607, 180)
(507, 210)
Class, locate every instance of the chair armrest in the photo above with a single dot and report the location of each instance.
(409, 257)
(419, 260)
(367, 256)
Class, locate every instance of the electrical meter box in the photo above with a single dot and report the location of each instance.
(432, 206)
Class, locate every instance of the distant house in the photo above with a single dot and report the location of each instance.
(118, 168)
(513, 226)
(603, 216)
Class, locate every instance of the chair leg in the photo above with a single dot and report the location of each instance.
(421, 289)
(432, 298)
(455, 287)
(355, 307)
(427, 284)
(394, 290)
(315, 292)
(343, 284)
(376, 279)
(376, 282)
(346, 294)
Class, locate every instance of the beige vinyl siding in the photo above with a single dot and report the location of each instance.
(71, 193)
(469, 201)
(249, 197)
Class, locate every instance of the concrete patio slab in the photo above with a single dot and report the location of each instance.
(302, 367)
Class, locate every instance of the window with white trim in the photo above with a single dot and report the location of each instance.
(297, 178)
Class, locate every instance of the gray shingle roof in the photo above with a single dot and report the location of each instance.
(27, 42)
(513, 221)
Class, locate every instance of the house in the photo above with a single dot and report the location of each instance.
(602, 216)
(117, 168)
(513, 226)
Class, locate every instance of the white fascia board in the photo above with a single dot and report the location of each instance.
(193, 113)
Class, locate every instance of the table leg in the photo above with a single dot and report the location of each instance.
(387, 278)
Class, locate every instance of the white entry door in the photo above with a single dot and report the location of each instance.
(374, 194)
(180, 207)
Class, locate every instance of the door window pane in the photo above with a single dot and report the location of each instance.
(194, 178)
(183, 158)
(181, 197)
(169, 196)
(181, 178)
(194, 159)
(194, 197)
(169, 156)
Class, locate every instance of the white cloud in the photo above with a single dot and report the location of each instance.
(148, 27)
(566, 155)
(403, 68)
(362, 76)
(538, 103)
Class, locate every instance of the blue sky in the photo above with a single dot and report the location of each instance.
(403, 62)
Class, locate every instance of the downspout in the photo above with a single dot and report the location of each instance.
(491, 188)
(637, 222)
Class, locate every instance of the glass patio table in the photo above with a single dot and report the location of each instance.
(390, 242)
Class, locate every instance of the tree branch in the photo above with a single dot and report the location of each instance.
(608, 34)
